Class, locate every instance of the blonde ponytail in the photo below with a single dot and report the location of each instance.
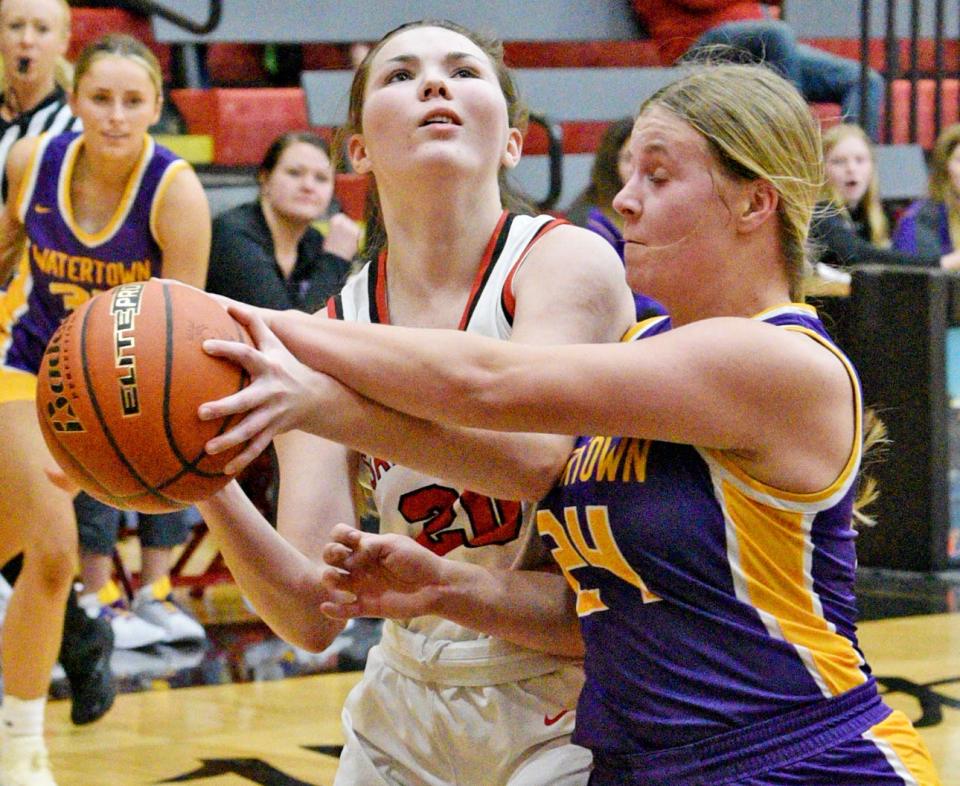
(874, 444)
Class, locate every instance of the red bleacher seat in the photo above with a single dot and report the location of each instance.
(926, 59)
(242, 121)
(580, 54)
(828, 114)
(926, 92)
(579, 136)
(351, 191)
(235, 64)
(239, 64)
(88, 24)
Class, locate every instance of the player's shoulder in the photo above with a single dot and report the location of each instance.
(566, 241)
(22, 151)
(572, 254)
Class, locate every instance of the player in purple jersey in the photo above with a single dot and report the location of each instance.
(96, 209)
(707, 541)
(36, 77)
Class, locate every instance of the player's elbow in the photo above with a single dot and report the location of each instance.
(535, 473)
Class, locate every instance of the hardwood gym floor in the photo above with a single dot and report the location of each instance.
(245, 709)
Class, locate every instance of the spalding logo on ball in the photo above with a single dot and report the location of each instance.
(118, 391)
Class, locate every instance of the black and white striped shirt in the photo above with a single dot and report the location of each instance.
(52, 114)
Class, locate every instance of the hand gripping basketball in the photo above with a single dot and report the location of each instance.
(118, 391)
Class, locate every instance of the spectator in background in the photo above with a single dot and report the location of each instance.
(593, 208)
(268, 253)
(931, 227)
(679, 26)
(852, 228)
(153, 617)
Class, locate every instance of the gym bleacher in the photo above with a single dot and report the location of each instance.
(580, 64)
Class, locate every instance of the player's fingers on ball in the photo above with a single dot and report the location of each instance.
(262, 335)
(222, 442)
(256, 430)
(250, 398)
(241, 461)
(237, 352)
(239, 311)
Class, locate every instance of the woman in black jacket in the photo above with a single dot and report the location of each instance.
(268, 253)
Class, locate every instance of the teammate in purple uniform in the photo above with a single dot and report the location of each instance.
(84, 213)
(709, 548)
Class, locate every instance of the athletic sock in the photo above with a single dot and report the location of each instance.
(23, 717)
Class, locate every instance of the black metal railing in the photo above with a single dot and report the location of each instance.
(894, 71)
(151, 8)
(554, 160)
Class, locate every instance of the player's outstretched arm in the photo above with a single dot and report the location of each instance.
(281, 570)
(558, 299)
(394, 576)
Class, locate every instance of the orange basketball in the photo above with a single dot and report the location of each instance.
(118, 391)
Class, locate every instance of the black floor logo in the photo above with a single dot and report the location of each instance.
(253, 770)
(931, 701)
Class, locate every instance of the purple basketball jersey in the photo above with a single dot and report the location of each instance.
(708, 600)
(64, 265)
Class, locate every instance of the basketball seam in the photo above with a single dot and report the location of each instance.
(187, 466)
(119, 501)
(98, 412)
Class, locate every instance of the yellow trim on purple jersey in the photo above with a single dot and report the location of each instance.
(94, 239)
(904, 750)
(16, 385)
(29, 178)
(162, 186)
(642, 328)
(769, 534)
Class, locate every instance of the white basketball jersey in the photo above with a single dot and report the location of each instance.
(451, 521)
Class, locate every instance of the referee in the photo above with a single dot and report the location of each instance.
(36, 75)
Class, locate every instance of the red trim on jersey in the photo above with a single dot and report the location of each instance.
(490, 253)
(383, 314)
(508, 299)
(483, 271)
(334, 307)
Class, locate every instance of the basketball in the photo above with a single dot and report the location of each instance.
(118, 391)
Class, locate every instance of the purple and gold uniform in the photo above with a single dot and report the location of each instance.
(62, 265)
(719, 616)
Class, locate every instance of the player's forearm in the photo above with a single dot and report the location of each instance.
(520, 466)
(281, 583)
(432, 374)
(534, 609)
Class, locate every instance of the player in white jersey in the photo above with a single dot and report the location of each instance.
(434, 118)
